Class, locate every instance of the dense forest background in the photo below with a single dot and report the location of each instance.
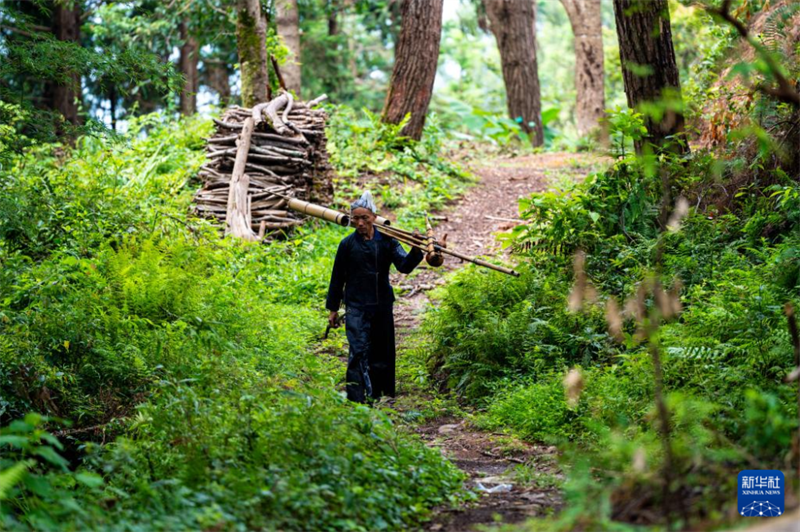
(158, 375)
(130, 59)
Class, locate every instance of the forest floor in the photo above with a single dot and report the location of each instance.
(525, 477)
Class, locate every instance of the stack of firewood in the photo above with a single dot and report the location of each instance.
(260, 157)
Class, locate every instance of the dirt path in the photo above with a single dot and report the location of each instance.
(521, 479)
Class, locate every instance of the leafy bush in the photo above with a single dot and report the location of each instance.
(488, 326)
(409, 177)
(537, 411)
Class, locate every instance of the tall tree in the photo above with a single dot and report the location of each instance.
(65, 94)
(333, 17)
(251, 40)
(587, 27)
(217, 78)
(649, 71)
(189, 57)
(513, 23)
(415, 58)
(287, 20)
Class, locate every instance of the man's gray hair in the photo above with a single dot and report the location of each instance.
(364, 202)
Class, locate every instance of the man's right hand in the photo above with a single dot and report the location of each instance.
(332, 319)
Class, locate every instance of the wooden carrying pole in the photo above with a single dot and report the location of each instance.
(406, 237)
(422, 244)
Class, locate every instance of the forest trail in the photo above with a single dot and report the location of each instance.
(487, 458)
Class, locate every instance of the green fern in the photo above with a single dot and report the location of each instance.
(10, 477)
(700, 353)
(774, 32)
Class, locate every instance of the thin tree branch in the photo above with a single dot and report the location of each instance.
(785, 91)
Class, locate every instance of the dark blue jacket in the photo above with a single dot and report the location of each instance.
(361, 270)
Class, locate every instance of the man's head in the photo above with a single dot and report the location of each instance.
(363, 214)
(362, 219)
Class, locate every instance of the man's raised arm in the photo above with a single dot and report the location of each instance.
(405, 262)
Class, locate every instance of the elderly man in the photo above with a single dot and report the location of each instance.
(361, 275)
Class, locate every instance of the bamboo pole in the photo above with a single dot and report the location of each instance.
(423, 246)
(433, 258)
(318, 211)
(475, 260)
(406, 237)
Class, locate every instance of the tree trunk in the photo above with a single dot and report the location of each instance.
(333, 17)
(64, 98)
(415, 58)
(251, 41)
(649, 70)
(112, 100)
(287, 19)
(188, 64)
(587, 27)
(513, 23)
(217, 78)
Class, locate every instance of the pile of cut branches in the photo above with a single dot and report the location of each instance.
(259, 157)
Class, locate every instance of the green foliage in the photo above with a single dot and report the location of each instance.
(11, 116)
(536, 412)
(615, 207)
(192, 354)
(505, 344)
(35, 482)
(476, 123)
(411, 178)
(33, 57)
(489, 326)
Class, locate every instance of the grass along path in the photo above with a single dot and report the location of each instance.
(525, 477)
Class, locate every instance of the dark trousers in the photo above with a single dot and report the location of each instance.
(370, 365)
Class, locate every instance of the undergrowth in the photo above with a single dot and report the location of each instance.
(505, 344)
(178, 370)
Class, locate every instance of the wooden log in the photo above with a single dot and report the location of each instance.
(237, 216)
(271, 152)
(288, 108)
(297, 139)
(272, 143)
(211, 201)
(279, 225)
(274, 159)
(219, 153)
(257, 169)
(222, 209)
(274, 218)
(258, 112)
(228, 125)
(283, 170)
(277, 155)
(317, 100)
(211, 170)
(224, 140)
(290, 152)
(210, 147)
(271, 111)
(269, 212)
(276, 68)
